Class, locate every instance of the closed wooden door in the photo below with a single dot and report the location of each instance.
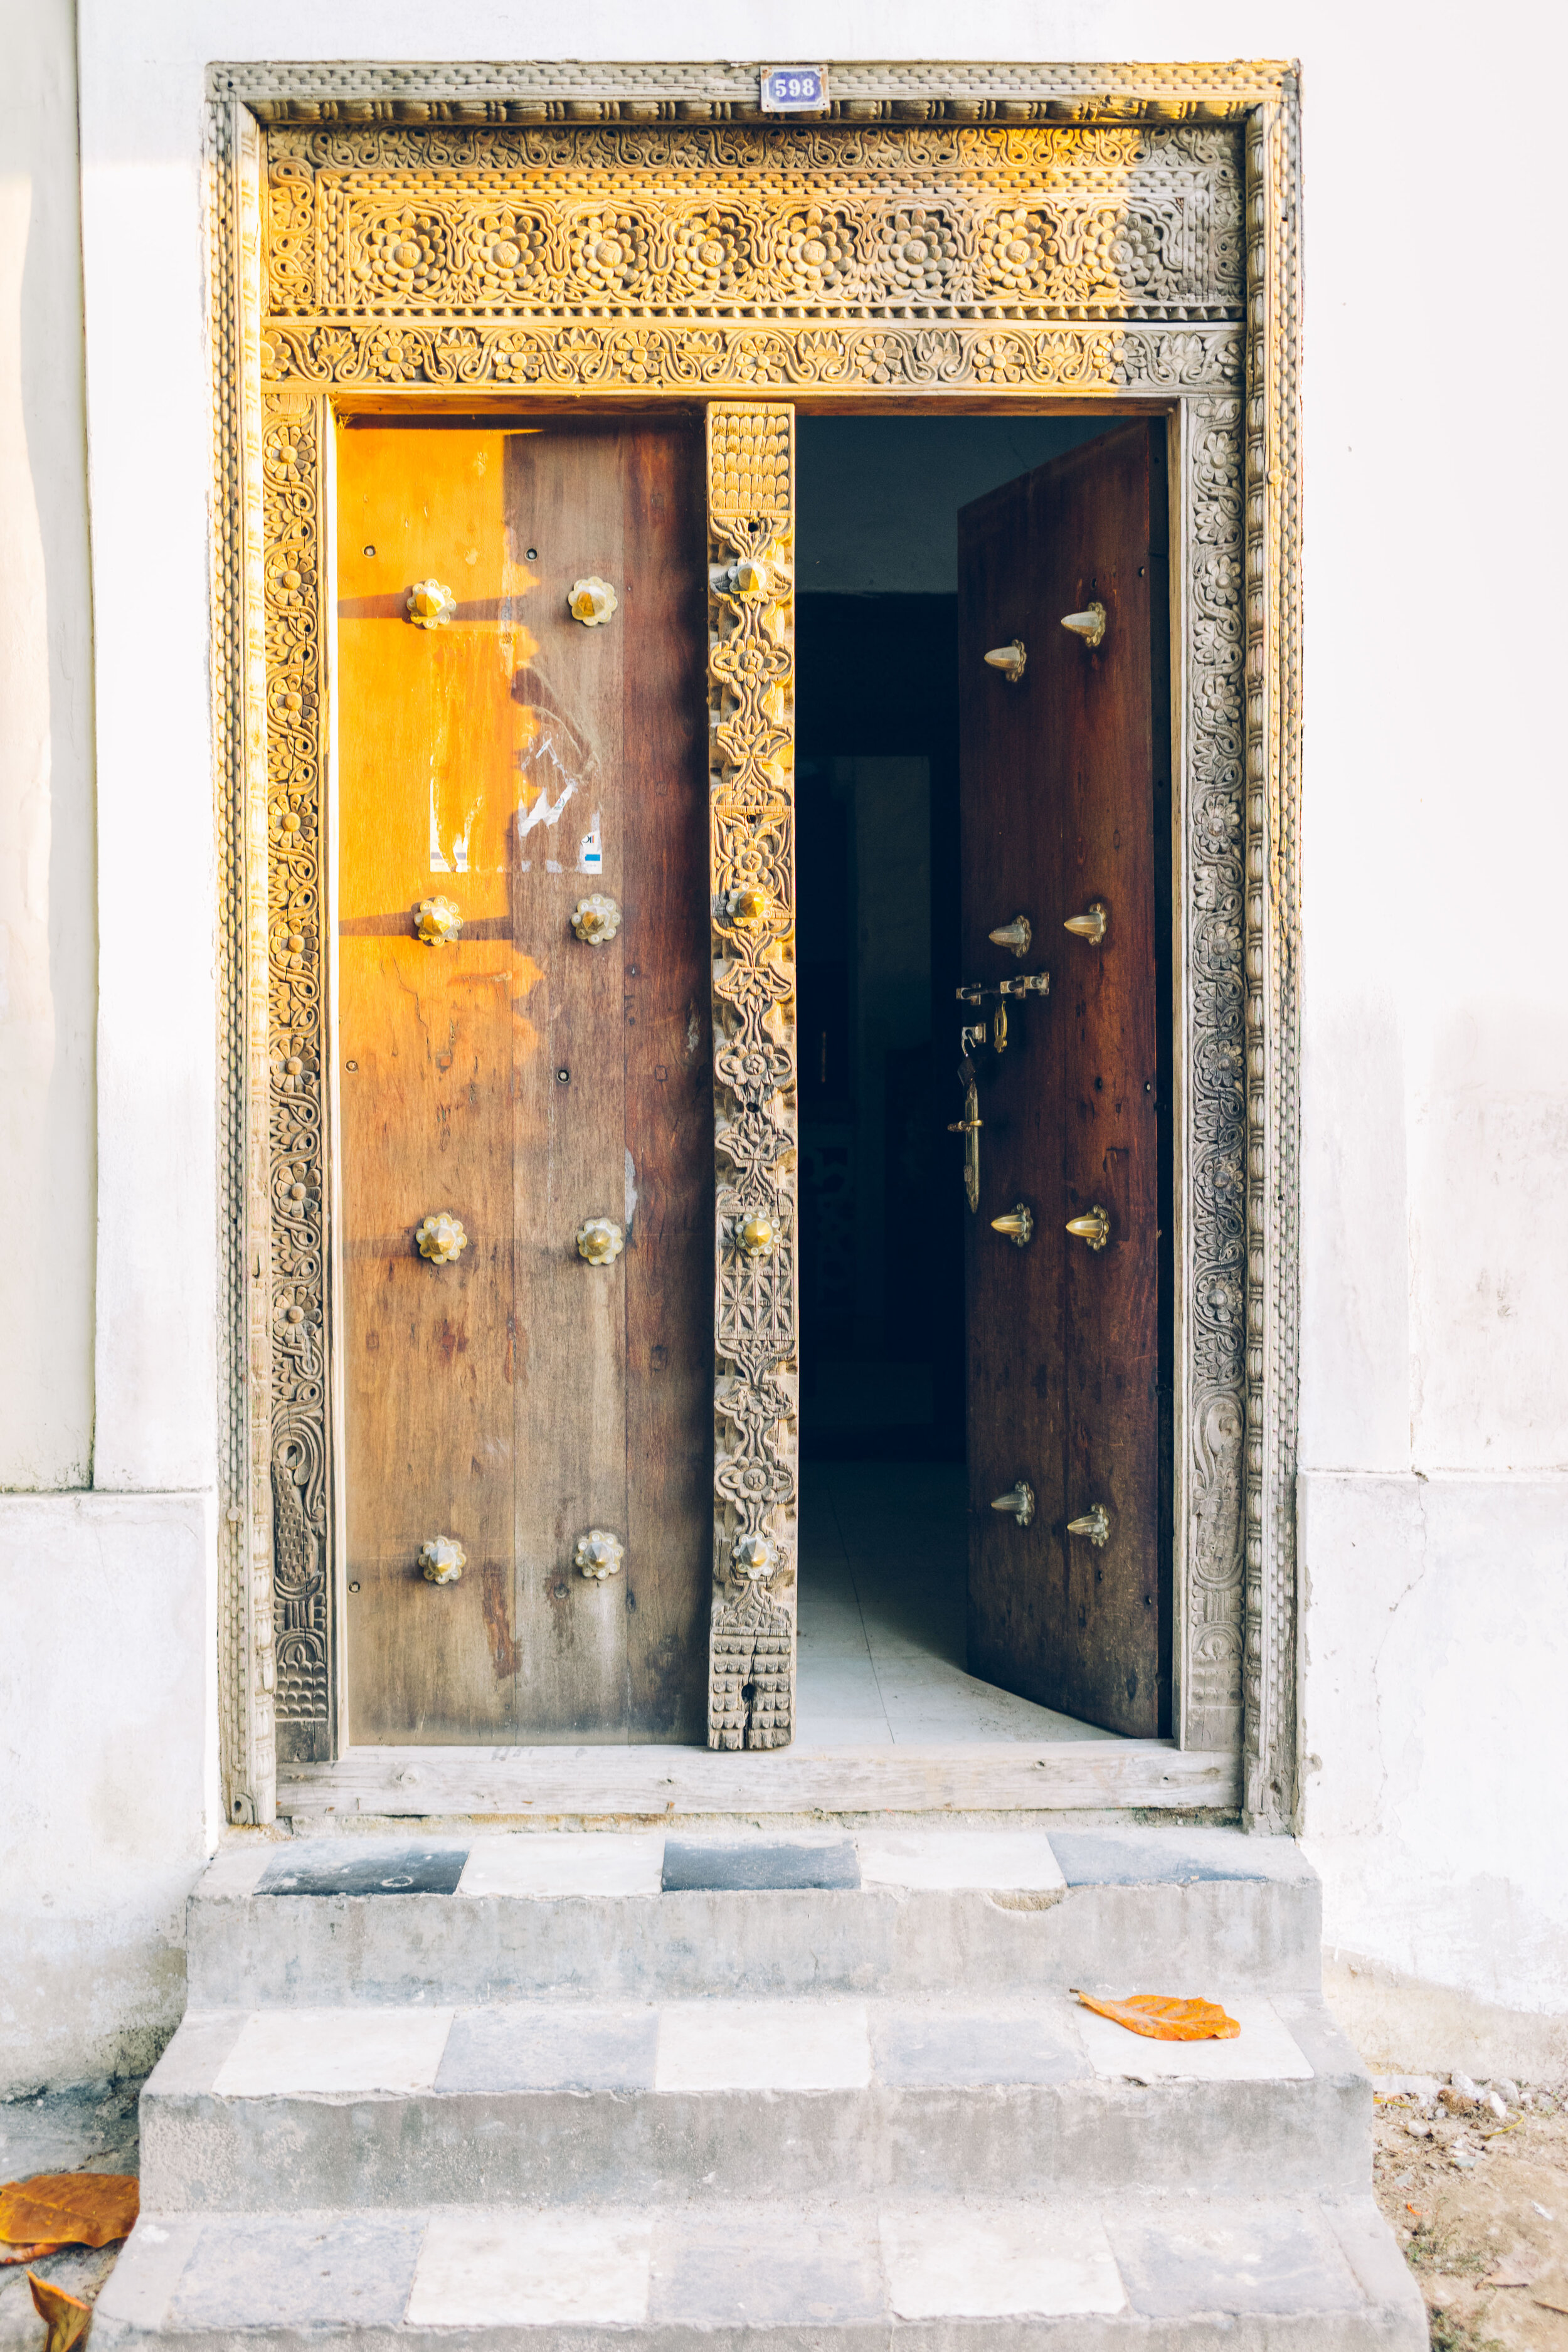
(1059, 813)
(533, 1068)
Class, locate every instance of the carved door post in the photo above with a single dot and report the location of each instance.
(750, 668)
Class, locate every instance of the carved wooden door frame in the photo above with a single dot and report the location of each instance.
(1087, 237)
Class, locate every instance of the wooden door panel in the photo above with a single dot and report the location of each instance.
(1057, 812)
(514, 761)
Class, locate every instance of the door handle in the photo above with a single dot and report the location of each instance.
(1090, 924)
(1089, 625)
(1094, 1227)
(1020, 1502)
(1094, 1525)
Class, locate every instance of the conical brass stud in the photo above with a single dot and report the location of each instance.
(1093, 1228)
(1091, 925)
(1089, 625)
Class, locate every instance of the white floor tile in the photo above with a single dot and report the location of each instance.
(284, 2052)
(1263, 2052)
(505, 2268)
(945, 1858)
(948, 2262)
(550, 1863)
(764, 2045)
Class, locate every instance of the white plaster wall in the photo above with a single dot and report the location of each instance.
(1437, 1003)
(47, 879)
(108, 1775)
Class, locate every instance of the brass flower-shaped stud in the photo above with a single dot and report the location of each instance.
(748, 905)
(599, 1555)
(753, 1557)
(442, 1560)
(438, 922)
(592, 602)
(750, 577)
(600, 1241)
(430, 606)
(596, 919)
(441, 1238)
(755, 1234)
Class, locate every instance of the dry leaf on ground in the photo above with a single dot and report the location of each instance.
(1162, 2018)
(65, 2318)
(65, 2209)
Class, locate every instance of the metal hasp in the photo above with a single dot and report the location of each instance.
(441, 1237)
(591, 601)
(1018, 1224)
(1094, 1525)
(442, 1560)
(969, 1127)
(1089, 625)
(437, 922)
(1011, 660)
(1094, 1227)
(598, 1555)
(429, 604)
(1020, 1502)
(600, 1241)
(1091, 925)
(596, 920)
(1015, 935)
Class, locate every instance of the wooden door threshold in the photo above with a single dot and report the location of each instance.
(518, 1786)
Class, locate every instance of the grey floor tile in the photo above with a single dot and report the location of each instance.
(708, 2273)
(1251, 2261)
(300, 2272)
(1118, 1858)
(913, 2046)
(727, 1866)
(363, 1866)
(536, 2046)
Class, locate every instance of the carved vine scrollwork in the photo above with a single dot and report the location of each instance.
(295, 603)
(1214, 914)
(750, 669)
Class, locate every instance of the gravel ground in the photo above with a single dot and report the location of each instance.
(62, 2131)
(1479, 2203)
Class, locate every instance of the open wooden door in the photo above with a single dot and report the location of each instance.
(528, 1384)
(1063, 731)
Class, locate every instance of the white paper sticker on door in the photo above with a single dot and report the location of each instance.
(593, 857)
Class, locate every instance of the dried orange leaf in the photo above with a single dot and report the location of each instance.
(1162, 2018)
(68, 2209)
(65, 2318)
(10, 2253)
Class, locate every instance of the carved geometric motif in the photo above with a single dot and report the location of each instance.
(751, 670)
(1135, 223)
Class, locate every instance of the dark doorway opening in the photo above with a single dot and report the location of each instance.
(882, 1210)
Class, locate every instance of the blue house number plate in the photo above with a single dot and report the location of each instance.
(793, 89)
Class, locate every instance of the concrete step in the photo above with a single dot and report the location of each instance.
(382, 1920)
(716, 2100)
(1178, 2273)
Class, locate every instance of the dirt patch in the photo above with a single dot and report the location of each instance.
(1480, 2204)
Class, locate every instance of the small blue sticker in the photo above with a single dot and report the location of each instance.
(793, 89)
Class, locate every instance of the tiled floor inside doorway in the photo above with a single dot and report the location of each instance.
(881, 1617)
